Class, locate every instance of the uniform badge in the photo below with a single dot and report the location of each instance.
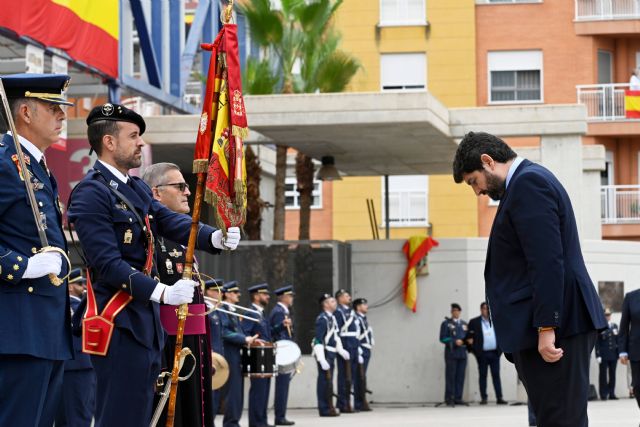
(121, 205)
(179, 267)
(464, 327)
(37, 185)
(169, 266)
(128, 236)
(113, 184)
(107, 109)
(175, 253)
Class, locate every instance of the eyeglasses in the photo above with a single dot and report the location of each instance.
(181, 186)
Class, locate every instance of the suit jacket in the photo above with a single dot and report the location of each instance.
(34, 314)
(114, 244)
(276, 319)
(534, 273)
(630, 326)
(475, 332)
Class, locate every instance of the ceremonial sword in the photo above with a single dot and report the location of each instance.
(24, 174)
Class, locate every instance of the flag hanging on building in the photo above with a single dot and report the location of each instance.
(223, 126)
(415, 249)
(87, 30)
(632, 104)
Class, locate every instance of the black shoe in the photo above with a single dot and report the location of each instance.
(603, 398)
(331, 413)
(284, 422)
(483, 402)
(502, 402)
(347, 411)
(613, 398)
(460, 402)
(450, 404)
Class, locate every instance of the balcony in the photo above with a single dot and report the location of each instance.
(606, 112)
(607, 17)
(620, 204)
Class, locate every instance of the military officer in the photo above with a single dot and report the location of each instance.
(35, 328)
(347, 362)
(259, 390)
(193, 404)
(116, 219)
(361, 307)
(213, 289)
(607, 357)
(326, 344)
(234, 339)
(78, 401)
(453, 332)
(282, 329)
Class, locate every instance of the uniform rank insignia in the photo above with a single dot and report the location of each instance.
(128, 237)
(37, 185)
(27, 160)
(169, 266)
(113, 184)
(175, 253)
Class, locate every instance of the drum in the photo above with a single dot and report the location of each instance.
(288, 356)
(259, 360)
(220, 371)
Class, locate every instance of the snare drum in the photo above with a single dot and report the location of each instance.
(288, 356)
(259, 360)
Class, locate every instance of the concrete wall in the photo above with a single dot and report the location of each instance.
(408, 363)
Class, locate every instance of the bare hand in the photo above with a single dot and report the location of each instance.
(250, 340)
(547, 348)
(624, 360)
(287, 322)
(470, 341)
(459, 342)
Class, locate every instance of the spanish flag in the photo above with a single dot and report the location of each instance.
(416, 248)
(87, 30)
(632, 104)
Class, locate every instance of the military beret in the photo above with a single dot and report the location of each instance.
(118, 113)
(341, 292)
(44, 87)
(285, 290)
(262, 288)
(75, 276)
(359, 301)
(324, 297)
(456, 306)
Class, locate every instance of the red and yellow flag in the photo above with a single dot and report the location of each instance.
(632, 104)
(416, 248)
(223, 126)
(87, 30)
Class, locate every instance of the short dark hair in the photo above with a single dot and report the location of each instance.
(97, 130)
(474, 145)
(483, 304)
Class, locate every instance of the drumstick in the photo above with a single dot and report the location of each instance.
(288, 327)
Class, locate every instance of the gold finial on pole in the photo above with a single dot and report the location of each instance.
(228, 12)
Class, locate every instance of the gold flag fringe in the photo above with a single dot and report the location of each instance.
(240, 189)
(200, 165)
(212, 198)
(240, 132)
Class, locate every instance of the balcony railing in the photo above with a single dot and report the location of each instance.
(603, 10)
(620, 204)
(604, 102)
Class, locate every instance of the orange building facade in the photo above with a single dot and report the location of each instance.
(566, 52)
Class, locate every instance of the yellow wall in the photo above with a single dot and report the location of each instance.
(449, 43)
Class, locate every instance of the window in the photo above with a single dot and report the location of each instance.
(515, 76)
(507, 1)
(402, 12)
(403, 71)
(292, 197)
(408, 201)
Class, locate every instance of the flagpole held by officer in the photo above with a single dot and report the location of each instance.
(35, 335)
(117, 219)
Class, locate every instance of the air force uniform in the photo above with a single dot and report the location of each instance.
(35, 328)
(259, 391)
(349, 333)
(280, 332)
(455, 357)
(607, 352)
(366, 345)
(325, 345)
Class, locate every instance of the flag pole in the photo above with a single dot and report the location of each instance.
(183, 309)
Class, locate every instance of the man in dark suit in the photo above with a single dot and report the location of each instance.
(607, 358)
(35, 328)
(484, 345)
(117, 219)
(542, 302)
(453, 332)
(630, 338)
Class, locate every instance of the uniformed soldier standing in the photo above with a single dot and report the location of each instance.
(213, 289)
(326, 344)
(259, 390)
(282, 329)
(347, 360)
(35, 328)
(193, 404)
(607, 357)
(452, 334)
(78, 401)
(116, 219)
(361, 307)
(234, 339)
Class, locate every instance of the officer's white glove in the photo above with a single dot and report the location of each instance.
(599, 360)
(230, 243)
(361, 360)
(324, 365)
(318, 352)
(42, 264)
(180, 293)
(344, 353)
